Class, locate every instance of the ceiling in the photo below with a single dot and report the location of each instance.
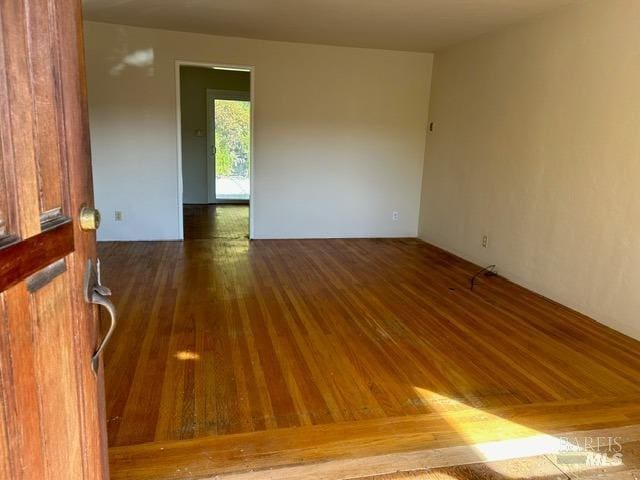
(414, 25)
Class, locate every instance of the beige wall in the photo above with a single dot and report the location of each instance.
(194, 82)
(536, 144)
(339, 133)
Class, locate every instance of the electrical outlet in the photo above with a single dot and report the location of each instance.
(485, 241)
(118, 216)
(395, 216)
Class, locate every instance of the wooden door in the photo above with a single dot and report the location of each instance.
(51, 403)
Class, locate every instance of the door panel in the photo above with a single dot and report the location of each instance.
(18, 388)
(45, 94)
(17, 115)
(4, 214)
(63, 411)
(52, 421)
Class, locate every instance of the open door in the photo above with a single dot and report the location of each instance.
(52, 423)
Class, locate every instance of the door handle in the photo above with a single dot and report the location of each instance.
(97, 294)
(98, 298)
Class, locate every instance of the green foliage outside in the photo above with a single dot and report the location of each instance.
(232, 138)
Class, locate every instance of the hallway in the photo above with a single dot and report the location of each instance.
(206, 222)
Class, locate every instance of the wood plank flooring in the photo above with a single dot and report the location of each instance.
(207, 222)
(597, 464)
(368, 447)
(544, 467)
(224, 338)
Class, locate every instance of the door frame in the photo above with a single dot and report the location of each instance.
(212, 95)
(252, 73)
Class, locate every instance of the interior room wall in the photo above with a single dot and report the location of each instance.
(536, 144)
(194, 82)
(338, 137)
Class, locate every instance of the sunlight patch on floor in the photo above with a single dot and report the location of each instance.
(185, 355)
(494, 438)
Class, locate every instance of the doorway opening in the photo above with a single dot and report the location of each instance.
(215, 150)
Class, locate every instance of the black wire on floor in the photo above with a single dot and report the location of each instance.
(488, 271)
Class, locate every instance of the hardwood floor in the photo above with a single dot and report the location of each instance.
(598, 464)
(543, 467)
(206, 222)
(263, 352)
(355, 449)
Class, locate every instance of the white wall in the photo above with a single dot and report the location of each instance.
(537, 145)
(339, 133)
